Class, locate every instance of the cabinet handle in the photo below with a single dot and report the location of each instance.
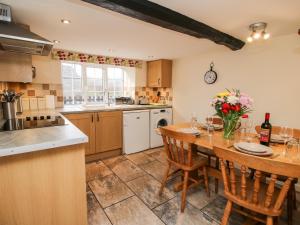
(158, 81)
(97, 117)
(92, 118)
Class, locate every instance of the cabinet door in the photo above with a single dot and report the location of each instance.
(86, 123)
(108, 131)
(154, 73)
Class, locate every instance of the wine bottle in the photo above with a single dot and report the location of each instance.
(266, 130)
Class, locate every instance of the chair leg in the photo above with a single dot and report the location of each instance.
(164, 181)
(290, 206)
(216, 179)
(206, 180)
(227, 212)
(269, 220)
(184, 190)
(294, 195)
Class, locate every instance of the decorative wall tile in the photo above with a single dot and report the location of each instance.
(31, 93)
(46, 86)
(151, 93)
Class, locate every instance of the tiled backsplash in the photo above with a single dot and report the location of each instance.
(37, 90)
(166, 95)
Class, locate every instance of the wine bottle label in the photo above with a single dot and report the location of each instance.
(264, 135)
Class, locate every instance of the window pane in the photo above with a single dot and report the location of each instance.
(72, 83)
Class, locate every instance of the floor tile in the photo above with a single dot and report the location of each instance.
(96, 170)
(147, 189)
(140, 158)
(109, 190)
(155, 169)
(96, 215)
(170, 214)
(197, 196)
(160, 156)
(112, 162)
(132, 211)
(127, 171)
(215, 210)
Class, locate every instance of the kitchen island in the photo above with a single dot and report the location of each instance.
(42, 173)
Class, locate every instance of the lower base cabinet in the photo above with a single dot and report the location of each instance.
(104, 130)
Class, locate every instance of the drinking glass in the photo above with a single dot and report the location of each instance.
(209, 125)
(194, 122)
(248, 127)
(292, 150)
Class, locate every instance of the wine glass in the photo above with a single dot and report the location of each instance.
(286, 134)
(292, 146)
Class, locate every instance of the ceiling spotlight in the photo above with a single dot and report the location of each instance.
(258, 30)
(56, 41)
(266, 35)
(249, 39)
(256, 35)
(65, 21)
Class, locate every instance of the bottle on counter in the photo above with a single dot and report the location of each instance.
(266, 131)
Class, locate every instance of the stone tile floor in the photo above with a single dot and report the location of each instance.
(124, 191)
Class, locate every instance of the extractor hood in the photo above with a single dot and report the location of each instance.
(18, 38)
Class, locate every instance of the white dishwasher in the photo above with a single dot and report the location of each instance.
(135, 131)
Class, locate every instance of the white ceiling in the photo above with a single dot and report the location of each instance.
(95, 30)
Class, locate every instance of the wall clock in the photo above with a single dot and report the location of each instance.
(211, 76)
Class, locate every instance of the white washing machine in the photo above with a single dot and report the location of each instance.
(159, 118)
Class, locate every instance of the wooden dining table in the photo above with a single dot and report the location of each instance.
(292, 161)
(216, 139)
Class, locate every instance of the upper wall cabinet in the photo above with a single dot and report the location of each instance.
(159, 73)
(47, 71)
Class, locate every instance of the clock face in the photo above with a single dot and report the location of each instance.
(210, 77)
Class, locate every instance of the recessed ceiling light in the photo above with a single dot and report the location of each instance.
(65, 21)
(56, 41)
(249, 39)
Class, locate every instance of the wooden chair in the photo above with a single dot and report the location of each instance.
(252, 194)
(211, 155)
(291, 198)
(178, 147)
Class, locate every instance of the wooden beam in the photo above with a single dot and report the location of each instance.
(159, 15)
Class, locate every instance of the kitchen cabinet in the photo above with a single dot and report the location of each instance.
(108, 131)
(104, 130)
(86, 123)
(159, 73)
(47, 70)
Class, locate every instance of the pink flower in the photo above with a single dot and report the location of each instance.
(245, 100)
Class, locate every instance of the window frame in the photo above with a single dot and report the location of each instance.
(84, 88)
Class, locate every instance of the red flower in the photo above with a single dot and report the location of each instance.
(233, 108)
(237, 108)
(225, 111)
(225, 106)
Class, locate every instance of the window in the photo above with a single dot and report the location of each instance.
(94, 84)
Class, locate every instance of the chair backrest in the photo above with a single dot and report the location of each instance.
(178, 146)
(276, 130)
(249, 192)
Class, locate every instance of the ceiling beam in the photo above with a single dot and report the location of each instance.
(159, 15)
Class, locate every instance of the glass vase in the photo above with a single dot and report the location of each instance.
(230, 126)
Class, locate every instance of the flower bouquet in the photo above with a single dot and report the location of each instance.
(230, 106)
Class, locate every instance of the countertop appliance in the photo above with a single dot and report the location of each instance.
(135, 131)
(159, 118)
(33, 122)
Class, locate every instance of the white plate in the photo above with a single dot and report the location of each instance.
(189, 131)
(253, 147)
(267, 153)
(277, 138)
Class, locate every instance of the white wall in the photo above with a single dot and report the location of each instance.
(269, 71)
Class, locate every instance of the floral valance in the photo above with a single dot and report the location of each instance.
(81, 57)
